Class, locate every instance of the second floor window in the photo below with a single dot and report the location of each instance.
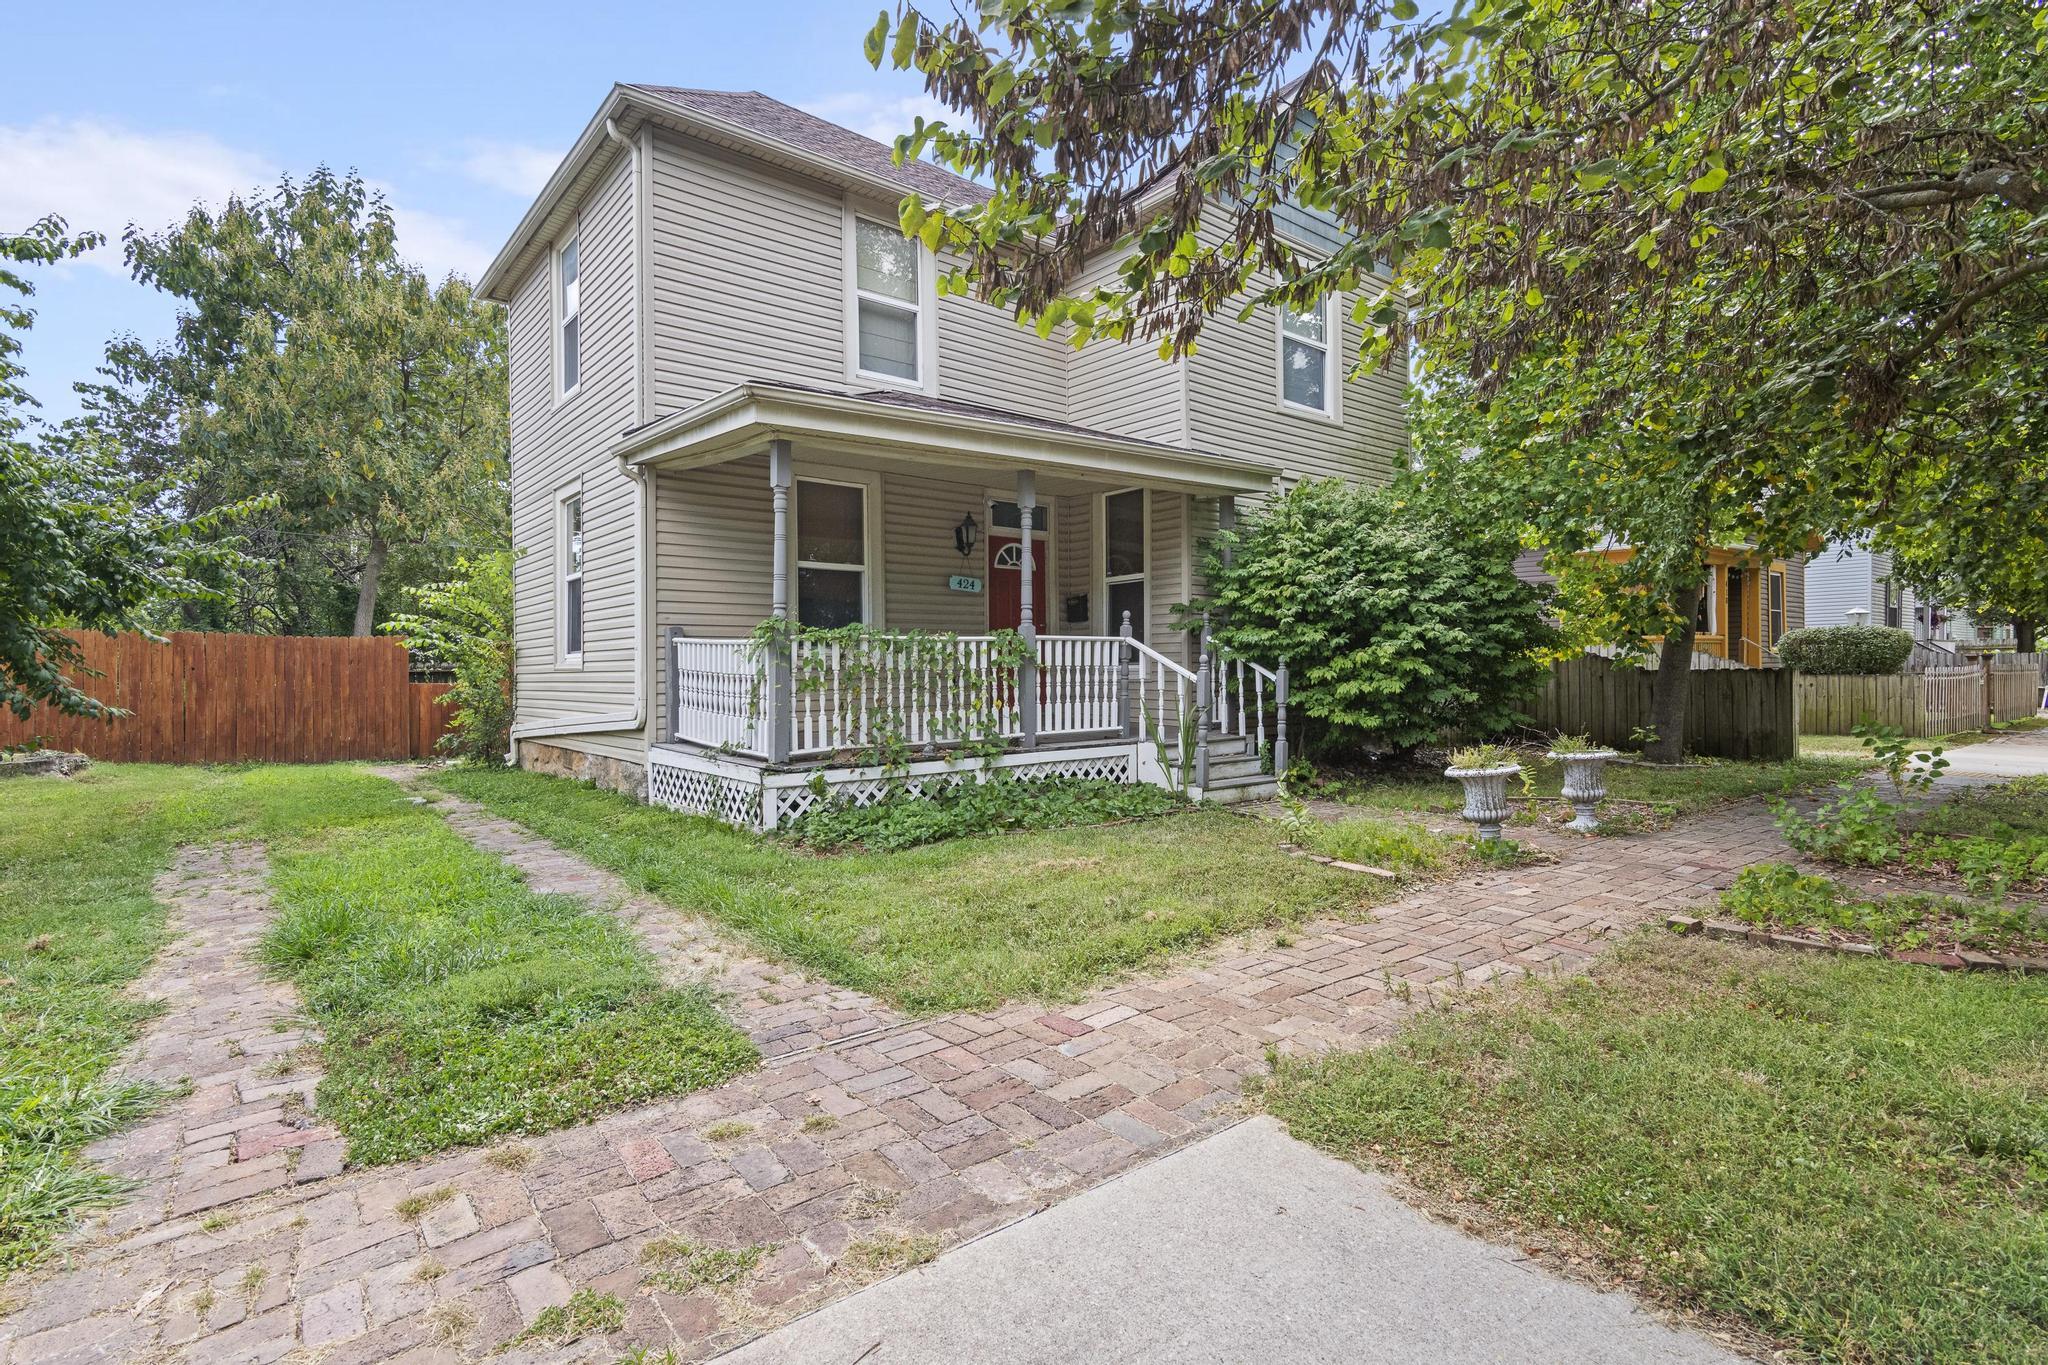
(569, 309)
(887, 298)
(1305, 354)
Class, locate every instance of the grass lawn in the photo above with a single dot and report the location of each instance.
(965, 924)
(1700, 784)
(1845, 1155)
(532, 999)
(1401, 846)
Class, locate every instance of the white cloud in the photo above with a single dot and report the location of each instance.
(101, 176)
(514, 167)
(881, 117)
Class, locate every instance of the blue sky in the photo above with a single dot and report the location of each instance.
(130, 112)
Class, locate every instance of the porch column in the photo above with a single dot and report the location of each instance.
(779, 696)
(1027, 672)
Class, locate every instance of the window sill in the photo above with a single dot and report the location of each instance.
(890, 381)
(574, 661)
(563, 399)
(1335, 419)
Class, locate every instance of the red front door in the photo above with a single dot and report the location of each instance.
(1006, 583)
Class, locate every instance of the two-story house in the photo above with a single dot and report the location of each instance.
(740, 404)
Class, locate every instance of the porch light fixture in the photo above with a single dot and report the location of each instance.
(967, 535)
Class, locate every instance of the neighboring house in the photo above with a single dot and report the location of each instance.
(1850, 583)
(737, 395)
(1747, 607)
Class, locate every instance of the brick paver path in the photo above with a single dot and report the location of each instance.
(246, 1125)
(834, 1160)
(776, 1005)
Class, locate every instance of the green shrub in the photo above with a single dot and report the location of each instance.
(1858, 827)
(1396, 630)
(1002, 803)
(466, 623)
(1846, 649)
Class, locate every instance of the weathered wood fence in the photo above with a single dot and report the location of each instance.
(1934, 701)
(1733, 713)
(207, 698)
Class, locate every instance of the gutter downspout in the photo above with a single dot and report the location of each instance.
(635, 719)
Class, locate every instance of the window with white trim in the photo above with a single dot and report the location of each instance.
(568, 318)
(569, 597)
(1777, 607)
(1307, 359)
(1710, 602)
(1123, 559)
(831, 554)
(888, 300)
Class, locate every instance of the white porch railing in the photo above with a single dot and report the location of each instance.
(719, 691)
(921, 690)
(916, 689)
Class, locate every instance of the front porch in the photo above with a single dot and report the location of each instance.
(862, 594)
(761, 730)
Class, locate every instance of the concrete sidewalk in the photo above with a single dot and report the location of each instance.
(2017, 755)
(1245, 1246)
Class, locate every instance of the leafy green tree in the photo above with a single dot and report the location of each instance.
(77, 552)
(311, 361)
(1398, 628)
(466, 625)
(1812, 232)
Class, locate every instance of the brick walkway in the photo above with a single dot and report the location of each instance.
(836, 1162)
(777, 1006)
(246, 1125)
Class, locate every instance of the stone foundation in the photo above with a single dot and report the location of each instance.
(613, 774)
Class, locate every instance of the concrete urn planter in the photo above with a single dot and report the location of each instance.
(1486, 797)
(1585, 785)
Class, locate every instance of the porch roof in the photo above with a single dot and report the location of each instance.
(916, 427)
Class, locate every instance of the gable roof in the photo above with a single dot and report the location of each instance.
(743, 120)
(793, 127)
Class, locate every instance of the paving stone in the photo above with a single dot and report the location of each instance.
(333, 1315)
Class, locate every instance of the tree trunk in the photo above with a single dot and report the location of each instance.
(1672, 687)
(366, 591)
(2023, 635)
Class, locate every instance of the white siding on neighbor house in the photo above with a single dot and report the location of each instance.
(1844, 576)
(556, 446)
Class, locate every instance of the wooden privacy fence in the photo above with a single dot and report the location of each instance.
(207, 698)
(1732, 713)
(1934, 701)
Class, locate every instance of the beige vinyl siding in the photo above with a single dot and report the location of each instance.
(746, 279)
(1234, 402)
(554, 446)
(917, 521)
(986, 357)
(1075, 545)
(1166, 570)
(1125, 387)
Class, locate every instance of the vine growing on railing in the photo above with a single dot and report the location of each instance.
(872, 679)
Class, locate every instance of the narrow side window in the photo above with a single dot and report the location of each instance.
(570, 596)
(568, 308)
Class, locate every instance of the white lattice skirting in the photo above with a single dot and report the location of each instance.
(754, 798)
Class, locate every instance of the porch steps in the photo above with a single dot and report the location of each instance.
(1235, 774)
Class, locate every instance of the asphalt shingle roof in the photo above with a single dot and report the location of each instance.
(771, 118)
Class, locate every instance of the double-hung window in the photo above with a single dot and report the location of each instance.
(568, 315)
(1704, 623)
(1777, 608)
(1307, 360)
(570, 596)
(888, 302)
(1123, 559)
(831, 554)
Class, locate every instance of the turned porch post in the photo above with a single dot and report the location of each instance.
(1280, 735)
(780, 701)
(1205, 700)
(1027, 672)
(1127, 681)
